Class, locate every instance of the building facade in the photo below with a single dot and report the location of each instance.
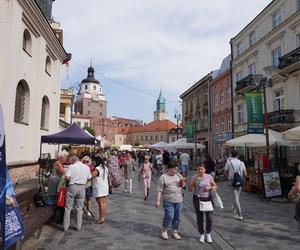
(30, 67)
(221, 109)
(196, 109)
(270, 39)
(65, 105)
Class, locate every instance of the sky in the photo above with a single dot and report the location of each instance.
(138, 47)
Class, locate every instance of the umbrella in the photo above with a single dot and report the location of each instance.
(255, 140)
(183, 144)
(159, 145)
(292, 134)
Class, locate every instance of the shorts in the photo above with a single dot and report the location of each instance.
(184, 168)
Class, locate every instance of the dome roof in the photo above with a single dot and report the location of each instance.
(90, 76)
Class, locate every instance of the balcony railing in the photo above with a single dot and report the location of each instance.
(281, 116)
(290, 59)
(245, 83)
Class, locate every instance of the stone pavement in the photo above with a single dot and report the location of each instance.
(131, 223)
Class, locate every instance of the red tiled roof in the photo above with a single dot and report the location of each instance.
(162, 125)
(122, 130)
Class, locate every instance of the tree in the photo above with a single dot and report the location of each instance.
(90, 130)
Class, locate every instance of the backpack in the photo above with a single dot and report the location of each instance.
(237, 180)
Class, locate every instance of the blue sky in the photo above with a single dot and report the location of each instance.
(149, 45)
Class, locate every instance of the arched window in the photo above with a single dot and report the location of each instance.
(45, 113)
(27, 42)
(22, 100)
(48, 65)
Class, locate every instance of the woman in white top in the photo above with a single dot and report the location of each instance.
(100, 189)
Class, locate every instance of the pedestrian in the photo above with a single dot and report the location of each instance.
(88, 188)
(145, 175)
(201, 185)
(169, 187)
(78, 174)
(114, 171)
(159, 163)
(166, 158)
(128, 167)
(295, 193)
(100, 189)
(235, 170)
(210, 165)
(184, 164)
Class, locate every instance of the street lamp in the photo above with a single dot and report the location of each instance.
(177, 116)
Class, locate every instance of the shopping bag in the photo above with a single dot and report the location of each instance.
(216, 199)
(205, 206)
(61, 197)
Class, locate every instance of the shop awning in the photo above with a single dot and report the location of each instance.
(159, 145)
(292, 134)
(183, 144)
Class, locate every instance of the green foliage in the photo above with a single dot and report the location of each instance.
(90, 130)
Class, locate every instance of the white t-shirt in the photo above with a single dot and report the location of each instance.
(234, 165)
(79, 173)
(185, 158)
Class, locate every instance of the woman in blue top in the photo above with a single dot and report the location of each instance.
(201, 184)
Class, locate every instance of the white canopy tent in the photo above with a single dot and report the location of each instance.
(292, 134)
(125, 147)
(159, 145)
(183, 144)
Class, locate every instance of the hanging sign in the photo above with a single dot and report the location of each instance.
(190, 132)
(10, 218)
(255, 113)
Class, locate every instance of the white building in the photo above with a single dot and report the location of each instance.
(270, 39)
(30, 66)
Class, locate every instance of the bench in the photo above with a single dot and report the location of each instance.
(33, 217)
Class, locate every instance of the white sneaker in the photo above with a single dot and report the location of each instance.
(201, 239)
(208, 238)
(233, 210)
(125, 191)
(164, 235)
(237, 217)
(176, 236)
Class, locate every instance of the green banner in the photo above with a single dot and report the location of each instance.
(190, 132)
(255, 113)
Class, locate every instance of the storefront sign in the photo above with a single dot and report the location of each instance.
(255, 114)
(271, 184)
(190, 132)
(11, 222)
(222, 137)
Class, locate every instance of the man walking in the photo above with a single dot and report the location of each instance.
(184, 164)
(235, 170)
(77, 175)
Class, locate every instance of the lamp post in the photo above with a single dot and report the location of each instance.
(177, 116)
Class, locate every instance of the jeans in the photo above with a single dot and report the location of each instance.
(172, 215)
(200, 215)
(236, 204)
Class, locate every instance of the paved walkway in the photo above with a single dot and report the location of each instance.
(133, 223)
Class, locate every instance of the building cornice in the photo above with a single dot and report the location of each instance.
(39, 26)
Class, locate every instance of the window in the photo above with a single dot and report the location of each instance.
(252, 38)
(223, 125)
(86, 124)
(146, 138)
(21, 114)
(228, 90)
(85, 87)
(100, 105)
(297, 4)
(276, 54)
(27, 43)
(217, 127)
(89, 104)
(276, 18)
(222, 97)
(239, 48)
(216, 99)
(100, 113)
(94, 87)
(45, 113)
(229, 123)
(142, 138)
(151, 138)
(240, 111)
(161, 137)
(100, 90)
(88, 112)
(238, 76)
(48, 65)
(156, 137)
(278, 99)
(79, 124)
(252, 69)
(298, 40)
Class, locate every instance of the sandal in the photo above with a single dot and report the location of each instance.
(101, 221)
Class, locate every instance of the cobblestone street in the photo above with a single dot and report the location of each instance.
(133, 223)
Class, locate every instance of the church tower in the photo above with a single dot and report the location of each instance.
(46, 7)
(160, 112)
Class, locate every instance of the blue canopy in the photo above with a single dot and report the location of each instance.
(71, 135)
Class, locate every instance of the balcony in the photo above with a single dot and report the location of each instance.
(245, 84)
(281, 116)
(290, 62)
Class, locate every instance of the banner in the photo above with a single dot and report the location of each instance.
(255, 113)
(10, 218)
(190, 132)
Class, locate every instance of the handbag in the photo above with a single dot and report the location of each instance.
(216, 199)
(296, 197)
(61, 198)
(206, 206)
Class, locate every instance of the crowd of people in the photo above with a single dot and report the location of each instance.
(98, 175)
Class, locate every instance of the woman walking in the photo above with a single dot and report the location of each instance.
(201, 184)
(128, 167)
(114, 172)
(100, 189)
(295, 192)
(145, 175)
(169, 187)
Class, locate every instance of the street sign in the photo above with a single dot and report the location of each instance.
(10, 218)
(255, 113)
